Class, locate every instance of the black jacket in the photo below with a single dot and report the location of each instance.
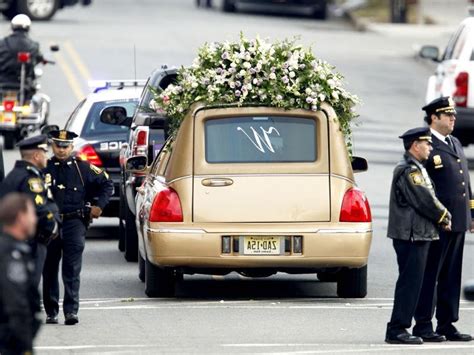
(75, 182)
(414, 211)
(10, 69)
(26, 178)
(449, 171)
(19, 297)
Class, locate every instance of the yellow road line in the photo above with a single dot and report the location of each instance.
(70, 77)
(76, 59)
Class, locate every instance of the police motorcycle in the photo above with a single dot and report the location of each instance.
(21, 113)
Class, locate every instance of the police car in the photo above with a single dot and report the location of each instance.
(100, 143)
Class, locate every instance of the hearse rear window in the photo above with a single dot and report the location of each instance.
(260, 139)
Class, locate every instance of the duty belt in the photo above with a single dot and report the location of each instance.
(72, 215)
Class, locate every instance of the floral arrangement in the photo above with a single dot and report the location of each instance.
(257, 72)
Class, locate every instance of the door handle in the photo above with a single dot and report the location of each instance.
(217, 182)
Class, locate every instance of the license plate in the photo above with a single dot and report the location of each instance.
(262, 245)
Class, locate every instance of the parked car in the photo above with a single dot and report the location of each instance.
(37, 10)
(318, 7)
(100, 143)
(145, 136)
(256, 190)
(454, 77)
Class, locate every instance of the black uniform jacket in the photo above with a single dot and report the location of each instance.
(449, 171)
(10, 69)
(19, 298)
(26, 178)
(414, 211)
(75, 182)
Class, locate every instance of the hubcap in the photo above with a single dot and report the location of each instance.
(41, 8)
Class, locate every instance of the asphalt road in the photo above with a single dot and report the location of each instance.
(232, 314)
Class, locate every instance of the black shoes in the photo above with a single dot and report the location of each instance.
(403, 338)
(71, 319)
(457, 336)
(431, 337)
(52, 319)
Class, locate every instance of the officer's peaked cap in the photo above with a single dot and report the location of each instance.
(415, 134)
(62, 137)
(35, 142)
(443, 104)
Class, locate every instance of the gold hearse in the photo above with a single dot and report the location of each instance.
(256, 190)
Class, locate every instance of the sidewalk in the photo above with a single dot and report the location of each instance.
(437, 15)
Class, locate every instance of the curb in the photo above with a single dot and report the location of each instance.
(360, 24)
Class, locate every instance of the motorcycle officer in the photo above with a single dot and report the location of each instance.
(10, 46)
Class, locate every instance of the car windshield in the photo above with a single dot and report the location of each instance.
(93, 126)
(261, 139)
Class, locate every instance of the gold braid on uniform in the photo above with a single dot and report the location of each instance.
(443, 215)
(472, 204)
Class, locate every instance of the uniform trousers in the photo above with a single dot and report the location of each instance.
(411, 259)
(38, 252)
(441, 284)
(70, 247)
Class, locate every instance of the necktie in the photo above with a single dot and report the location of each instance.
(450, 143)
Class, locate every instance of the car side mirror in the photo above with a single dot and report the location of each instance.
(137, 164)
(115, 115)
(49, 128)
(359, 165)
(54, 48)
(430, 52)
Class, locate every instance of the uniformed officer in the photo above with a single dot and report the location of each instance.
(19, 297)
(81, 191)
(27, 177)
(447, 167)
(414, 217)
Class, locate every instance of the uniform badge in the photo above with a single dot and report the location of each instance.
(63, 135)
(95, 169)
(417, 178)
(36, 185)
(16, 272)
(437, 161)
(47, 179)
(39, 200)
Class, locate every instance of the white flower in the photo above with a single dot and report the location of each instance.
(292, 74)
(247, 65)
(322, 97)
(242, 73)
(285, 79)
(309, 100)
(335, 95)
(194, 85)
(233, 65)
(232, 85)
(314, 108)
(279, 97)
(308, 91)
(255, 81)
(272, 76)
(331, 83)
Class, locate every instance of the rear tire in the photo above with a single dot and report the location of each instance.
(352, 283)
(228, 6)
(141, 268)
(121, 239)
(322, 12)
(35, 11)
(158, 282)
(9, 140)
(130, 237)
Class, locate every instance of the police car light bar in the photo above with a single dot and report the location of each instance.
(99, 85)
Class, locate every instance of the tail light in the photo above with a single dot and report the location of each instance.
(8, 105)
(89, 154)
(140, 146)
(355, 207)
(23, 57)
(166, 207)
(460, 94)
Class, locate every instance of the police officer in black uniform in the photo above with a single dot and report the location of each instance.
(81, 191)
(27, 177)
(447, 167)
(19, 297)
(415, 214)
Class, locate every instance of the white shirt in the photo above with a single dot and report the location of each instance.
(439, 136)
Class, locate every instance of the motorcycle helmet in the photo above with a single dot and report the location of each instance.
(21, 22)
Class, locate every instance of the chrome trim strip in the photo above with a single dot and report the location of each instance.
(237, 175)
(175, 230)
(343, 231)
(179, 178)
